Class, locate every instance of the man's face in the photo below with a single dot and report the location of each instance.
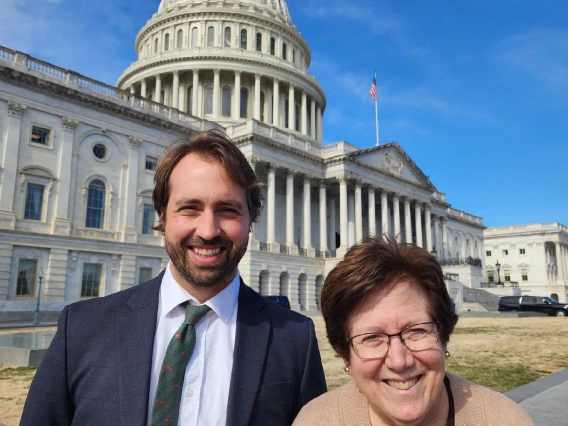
(206, 224)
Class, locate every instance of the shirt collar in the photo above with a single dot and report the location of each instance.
(223, 303)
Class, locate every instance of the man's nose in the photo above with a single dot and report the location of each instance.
(208, 226)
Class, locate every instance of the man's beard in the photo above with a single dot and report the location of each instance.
(206, 275)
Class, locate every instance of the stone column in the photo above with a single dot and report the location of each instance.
(9, 165)
(307, 214)
(291, 108)
(332, 225)
(418, 220)
(320, 124)
(276, 103)
(290, 209)
(396, 214)
(444, 237)
(183, 96)
(358, 212)
(61, 224)
(313, 119)
(237, 97)
(158, 89)
(351, 218)
(216, 91)
(144, 88)
(384, 214)
(129, 231)
(428, 224)
(372, 213)
(323, 215)
(343, 213)
(271, 204)
(268, 103)
(435, 234)
(559, 261)
(194, 101)
(407, 220)
(304, 123)
(257, 97)
(175, 97)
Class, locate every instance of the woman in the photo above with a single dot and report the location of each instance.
(389, 316)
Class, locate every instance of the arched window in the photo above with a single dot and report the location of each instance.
(272, 46)
(209, 100)
(194, 36)
(262, 106)
(180, 39)
(258, 42)
(163, 97)
(167, 42)
(286, 113)
(227, 42)
(210, 36)
(243, 39)
(284, 51)
(95, 205)
(190, 100)
(156, 46)
(294, 56)
(297, 118)
(244, 103)
(226, 102)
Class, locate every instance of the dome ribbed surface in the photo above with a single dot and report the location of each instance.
(278, 7)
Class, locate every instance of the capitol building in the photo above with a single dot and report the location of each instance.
(78, 157)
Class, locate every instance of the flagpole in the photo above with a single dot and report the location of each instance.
(377, 112)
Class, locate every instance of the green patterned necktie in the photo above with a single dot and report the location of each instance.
(166, 405)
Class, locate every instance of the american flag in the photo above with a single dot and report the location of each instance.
(373, 89)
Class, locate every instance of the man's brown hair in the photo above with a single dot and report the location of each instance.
(372, 264)
(210, 145)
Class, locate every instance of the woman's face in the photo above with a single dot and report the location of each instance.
(403, 387)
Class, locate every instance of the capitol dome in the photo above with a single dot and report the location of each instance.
(228, 61)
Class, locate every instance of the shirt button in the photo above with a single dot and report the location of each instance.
(190, 393)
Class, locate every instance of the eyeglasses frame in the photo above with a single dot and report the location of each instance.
(389, 336)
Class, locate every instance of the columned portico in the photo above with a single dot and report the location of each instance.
(323, 215)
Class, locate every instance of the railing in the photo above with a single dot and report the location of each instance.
(320, 253)
(47, 69)
(7, 54)
(303, 252)
(452, 277)
(512, 284)
(457, 261)
(464, 216)
(331, 253)
(264, 246)
(284, 249)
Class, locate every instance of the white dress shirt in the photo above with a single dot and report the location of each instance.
(205, 391)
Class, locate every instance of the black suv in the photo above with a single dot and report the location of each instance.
(533, 304)
(279, 300)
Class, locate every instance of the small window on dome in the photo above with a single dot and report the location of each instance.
(194, 36)
(180, 39)
(272, 46)
(284, 51)
(258, 42)
(210, 36)
(156, 46)
(167, 42)
(227, 42)
(100, 151)
(243, 39)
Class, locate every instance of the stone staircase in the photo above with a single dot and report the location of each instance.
(478, 299)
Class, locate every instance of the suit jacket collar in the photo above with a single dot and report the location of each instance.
(251, 343)
(136, 330)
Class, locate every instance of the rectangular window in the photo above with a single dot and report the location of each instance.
(521, 251)
(507, 275)
(148, 219)
(505, 252)
(27, 274)
(488, 253)
(34, 202)
(525, 275)
(490, 276)
(151, 163)
(40, 135)
(144, 274)
(91, 280)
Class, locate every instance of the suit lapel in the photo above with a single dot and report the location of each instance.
(136, 330)
(251, 343)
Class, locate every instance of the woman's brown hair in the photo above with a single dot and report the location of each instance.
(374, 263)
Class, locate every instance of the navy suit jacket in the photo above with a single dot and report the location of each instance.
(97, 369)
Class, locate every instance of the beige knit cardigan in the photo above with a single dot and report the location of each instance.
(474, 406)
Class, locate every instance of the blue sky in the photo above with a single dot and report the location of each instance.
(474, 91)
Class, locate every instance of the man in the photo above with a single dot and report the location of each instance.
(240, 361)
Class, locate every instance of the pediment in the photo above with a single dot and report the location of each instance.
(37, 171)
(391, 158)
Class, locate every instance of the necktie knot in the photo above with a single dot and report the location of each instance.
(194, 313)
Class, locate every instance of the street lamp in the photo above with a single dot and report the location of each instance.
(36, 315)
(498, 267)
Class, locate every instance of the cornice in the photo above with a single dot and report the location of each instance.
(459, 219)
(50, 88)
(522, 234)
